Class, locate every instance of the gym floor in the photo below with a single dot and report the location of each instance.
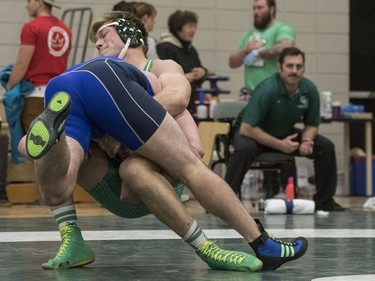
(341, 245)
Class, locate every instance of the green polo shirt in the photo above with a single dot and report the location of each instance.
(276, 112)
(277, 31)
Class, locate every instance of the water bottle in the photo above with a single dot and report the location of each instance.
(259, 61)
(201, 108)
(213, 103)
(326, 105)
(246, 186)
(261, 204)
(289, 190)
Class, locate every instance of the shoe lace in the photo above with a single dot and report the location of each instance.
(66, 236)
(293, 244)
(287, 248)
(212, 251)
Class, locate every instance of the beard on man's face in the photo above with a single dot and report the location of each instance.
(263, 22)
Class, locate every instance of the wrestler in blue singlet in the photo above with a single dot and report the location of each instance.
(108, 95)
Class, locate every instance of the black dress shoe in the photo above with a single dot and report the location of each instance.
(338, 208)
(332, 207)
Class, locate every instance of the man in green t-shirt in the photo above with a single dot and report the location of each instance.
(258, 50)
(268, 121)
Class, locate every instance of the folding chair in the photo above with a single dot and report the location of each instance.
(268, 161)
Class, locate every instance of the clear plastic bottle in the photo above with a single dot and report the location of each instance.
(261, 204)
(202, 108)
(259, 61)
(326, 105)
(246, 186)
(201, 111)
(213, 103)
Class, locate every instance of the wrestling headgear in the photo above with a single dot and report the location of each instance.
(128, 30)
(129, 33)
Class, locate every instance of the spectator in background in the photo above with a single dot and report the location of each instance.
(260, 47)
(177, 45)
(258, 50)
(4, 144)
(43, 54)
(147, 13)
(124, 6)
(268, 122)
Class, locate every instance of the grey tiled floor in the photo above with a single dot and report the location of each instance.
(339, 244)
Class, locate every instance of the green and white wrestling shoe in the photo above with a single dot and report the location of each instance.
(217, 258)
(47, 127)
(73, 252)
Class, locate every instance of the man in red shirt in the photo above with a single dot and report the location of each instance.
(43, 54)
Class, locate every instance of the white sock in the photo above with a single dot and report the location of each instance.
(195, 235)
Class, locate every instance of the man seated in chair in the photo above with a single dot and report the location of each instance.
(268, 121)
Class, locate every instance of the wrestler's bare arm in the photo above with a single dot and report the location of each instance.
(190, 129)
(184, 119)
(171, 96)
(175, 93)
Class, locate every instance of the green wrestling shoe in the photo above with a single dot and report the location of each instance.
(217, 258)
(47, 127)
(73, 252)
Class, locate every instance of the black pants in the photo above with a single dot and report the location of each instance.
(324, 157)
(4, 143)
(274, 180)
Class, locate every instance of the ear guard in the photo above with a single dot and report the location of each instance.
(129, 34)
(127, 30)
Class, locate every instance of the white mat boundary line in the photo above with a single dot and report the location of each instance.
(101, 235)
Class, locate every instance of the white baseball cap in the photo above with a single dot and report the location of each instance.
(52, 3)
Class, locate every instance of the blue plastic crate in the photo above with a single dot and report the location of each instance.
(358, 176)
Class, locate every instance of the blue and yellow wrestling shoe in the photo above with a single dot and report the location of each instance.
(47, 127)
(73, 252)
(217, 258)
(275, 252)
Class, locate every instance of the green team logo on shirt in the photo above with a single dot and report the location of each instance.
(304, 102)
